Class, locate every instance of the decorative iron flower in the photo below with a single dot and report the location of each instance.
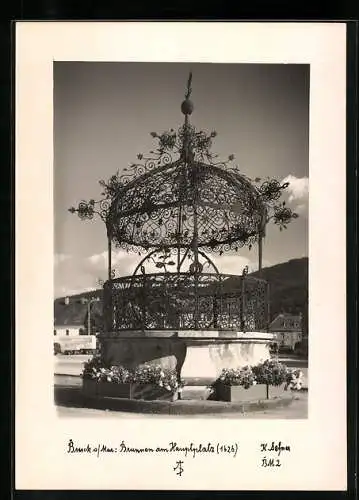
(271, 190)
(283, 216)
(167, 140)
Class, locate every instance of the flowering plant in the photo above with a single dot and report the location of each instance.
(294, 380)
(270, 372)
(155, 374)
(238, 376)
(95, 369)
(92, 367)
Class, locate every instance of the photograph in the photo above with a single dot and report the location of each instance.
(181, 240)
(180, 256)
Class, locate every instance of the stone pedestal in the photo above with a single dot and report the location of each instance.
(198, 356)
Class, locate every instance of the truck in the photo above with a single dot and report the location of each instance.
(79, 344)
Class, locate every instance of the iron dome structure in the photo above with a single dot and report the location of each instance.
(176, 207)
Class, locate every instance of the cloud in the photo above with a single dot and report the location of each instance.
(125, 263)
(76, 275)
(65, 291)
(121, 260)
(60, 257)
(298, 188)
(300, 209)
(232, 264)
(298, 193)
(73, 274)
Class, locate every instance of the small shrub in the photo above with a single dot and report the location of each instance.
(294, 380)
(238, 376)
(270, 372)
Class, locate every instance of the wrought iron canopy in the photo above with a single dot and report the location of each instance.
(166, 206)
(181, 196)
(176, 203)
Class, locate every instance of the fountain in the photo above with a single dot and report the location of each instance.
(175, 208)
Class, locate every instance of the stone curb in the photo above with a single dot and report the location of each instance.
(73, 397)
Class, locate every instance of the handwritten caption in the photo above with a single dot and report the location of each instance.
(187, 450)
(272, 453)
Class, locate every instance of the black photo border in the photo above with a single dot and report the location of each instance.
(85, 11)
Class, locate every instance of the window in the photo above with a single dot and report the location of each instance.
(67, 332)
(82, 331)
(55, 332)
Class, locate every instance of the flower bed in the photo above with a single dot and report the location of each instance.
(266, 380)
(146, 392)
(147, 382)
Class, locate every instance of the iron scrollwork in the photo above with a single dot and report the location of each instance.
(180, 202)
(163, 301)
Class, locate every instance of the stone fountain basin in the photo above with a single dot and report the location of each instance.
(199, 356)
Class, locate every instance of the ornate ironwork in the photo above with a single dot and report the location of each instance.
(154, 202)
(88, 209)
(169, 260)
(174, 205)
(172, 301)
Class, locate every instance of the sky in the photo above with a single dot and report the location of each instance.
(103, 116)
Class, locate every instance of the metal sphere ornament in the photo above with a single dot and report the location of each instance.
(187, 107)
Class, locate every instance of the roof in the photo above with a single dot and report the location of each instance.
(286, 322)
(59, 326)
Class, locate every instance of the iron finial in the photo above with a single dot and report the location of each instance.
(189, 86)
(187, 105)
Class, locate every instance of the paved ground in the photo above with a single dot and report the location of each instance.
(297, 410)
(69, 365)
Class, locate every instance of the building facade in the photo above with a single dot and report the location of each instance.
(68, 330)
(288, 330)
